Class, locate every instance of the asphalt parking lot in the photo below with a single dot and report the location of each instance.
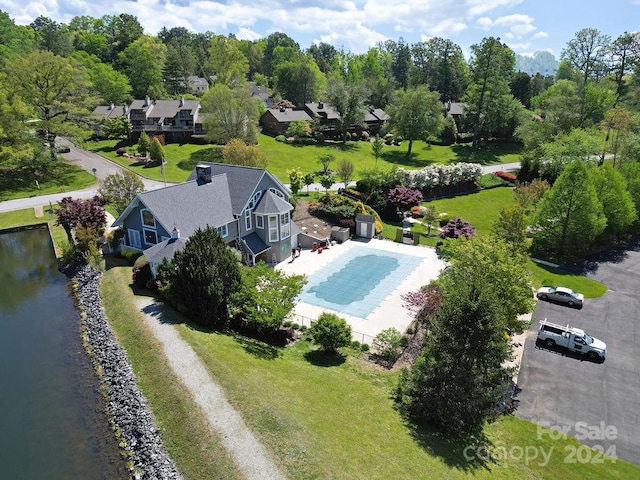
(596, 402)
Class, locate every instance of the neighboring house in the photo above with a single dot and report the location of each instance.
(176, 120)
(276, 120)
(455, 109)
(249, 207)
(260, 91)
(327, 116)
(375, 119)
(104, 112)
(197, 85)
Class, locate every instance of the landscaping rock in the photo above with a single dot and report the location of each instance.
(132, 420)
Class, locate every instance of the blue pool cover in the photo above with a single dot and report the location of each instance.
(356, 282)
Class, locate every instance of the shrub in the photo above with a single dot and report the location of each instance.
(456, 227)
(319, 137)
(349, 223)
(114, 237)
(303, 328)
(281, 138)
(364, 347)
(130, 255)
(121, 151)
(356, 345)
(387, 343)
(443, 219)
(330, 332)
(287, 323)
(142, 274)
(365, 135)
(509, 177)
(295, 326)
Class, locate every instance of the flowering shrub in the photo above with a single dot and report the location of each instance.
(439, 175)
(419, 212)
(510, 177)
(404, 198)
(456, 227)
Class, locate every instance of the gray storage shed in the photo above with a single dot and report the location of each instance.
(365, 225)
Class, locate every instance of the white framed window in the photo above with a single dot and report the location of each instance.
(254, 200)
(273, 228)
(277, 192)
(224, 231)
(259, 222)
(285, 225)
(150, 236)
(134, 238)
(247, 219)
(148, 220)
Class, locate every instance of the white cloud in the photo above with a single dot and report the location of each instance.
(484, 22)
(516, 47)
(540, 35)
(478, 7)
(247, 34)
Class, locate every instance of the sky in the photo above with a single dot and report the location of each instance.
(526, 26)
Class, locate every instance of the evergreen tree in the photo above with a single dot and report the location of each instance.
(458, 380)
(202, 278)
(617, 203)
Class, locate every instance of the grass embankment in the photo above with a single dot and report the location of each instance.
(321, 418)
(67, 178)
(27, 216)
(182, 158)
(197, 451)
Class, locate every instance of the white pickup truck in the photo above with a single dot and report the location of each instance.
(572, 338)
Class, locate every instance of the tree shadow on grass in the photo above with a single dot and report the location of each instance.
(258, 348)
(320, 358)
(400, 159)
(467, 454)
(210, 154)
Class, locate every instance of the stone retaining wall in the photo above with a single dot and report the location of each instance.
(132, 420)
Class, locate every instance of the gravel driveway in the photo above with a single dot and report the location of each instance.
(247, 452)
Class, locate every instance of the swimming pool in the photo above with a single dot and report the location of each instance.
(356, 282)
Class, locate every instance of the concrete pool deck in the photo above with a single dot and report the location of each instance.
(390, 312)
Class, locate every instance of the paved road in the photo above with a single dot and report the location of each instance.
(87, 160)
(101, 167)
(561, 389)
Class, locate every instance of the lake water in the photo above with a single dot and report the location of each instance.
(53, 421)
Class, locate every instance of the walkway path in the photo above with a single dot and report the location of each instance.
(247, 452)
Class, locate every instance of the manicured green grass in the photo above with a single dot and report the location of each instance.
(325, 417)
(196, 449)
(68, 177)
(181, 159)
(480, 209)
(543, 275)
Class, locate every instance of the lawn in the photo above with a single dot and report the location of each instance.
(68, 177)
(182, 158)
(543, 275)
(320, 417)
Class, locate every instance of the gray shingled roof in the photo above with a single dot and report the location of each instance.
(255, 243)
(110, 111)
(162, 109)
(330, 112)
(164, 249)
(289, 115)
(189, 205)
(271, 203)
(242, 181)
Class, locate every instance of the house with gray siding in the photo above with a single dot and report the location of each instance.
(248, 206)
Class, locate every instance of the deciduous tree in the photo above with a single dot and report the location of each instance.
(569, 217)
(617, 203)
(346, 169)
(236, 152)
(348, 100)
(88, 214)
(229, 113)
(267, 295)
(416, 114)
(331, 332)
(120, 188)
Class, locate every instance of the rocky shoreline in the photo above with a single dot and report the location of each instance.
(131, 419)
